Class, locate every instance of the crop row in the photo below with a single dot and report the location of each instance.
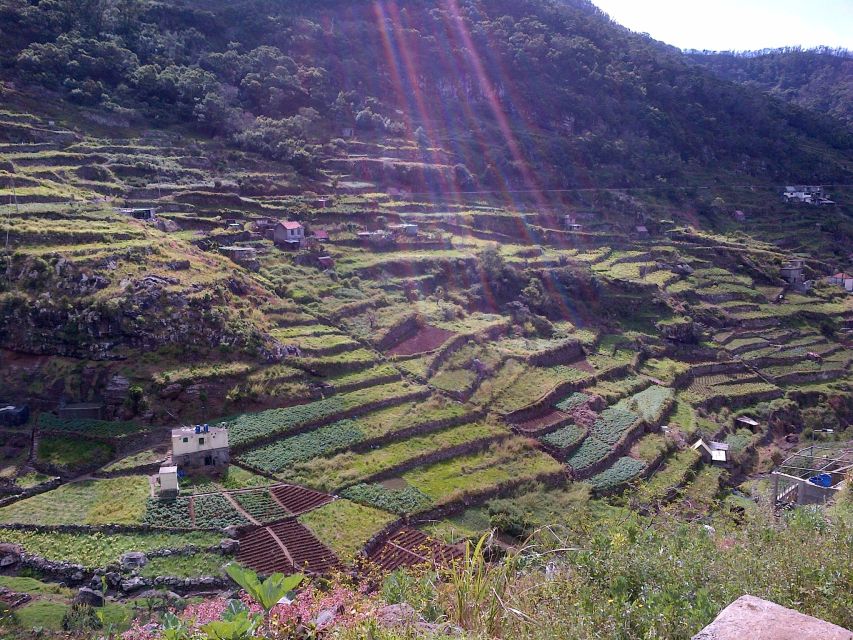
(215, 512)
(613, 423)
(260, 505)
(572, 402)
(400, 501)
(652, 403)
(623, 470)
(168, 513)
(101, 428)
(564, 438)
(253, 426)
(305, 446)
(591, 451)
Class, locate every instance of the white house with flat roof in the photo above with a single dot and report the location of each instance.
(201, 447)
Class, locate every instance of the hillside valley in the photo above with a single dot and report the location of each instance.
(491, 302)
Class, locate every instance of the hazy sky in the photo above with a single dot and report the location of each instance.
(737, 24)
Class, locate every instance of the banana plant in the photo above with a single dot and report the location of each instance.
(238, 627)
(267, 593)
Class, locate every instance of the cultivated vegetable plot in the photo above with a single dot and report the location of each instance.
(564, 439)
(260, 505)
(652, 403)
(513, 460)
(623, 470)
(252, 426)
(298, 499)
(97, 549)
(591, 451)
(308, 553)
(411, 548)
(168, 513)
(301, 448)
(400, 501)
(351, 467)
(572, 402)
(613, 423)
(215, 512)
(101, 428)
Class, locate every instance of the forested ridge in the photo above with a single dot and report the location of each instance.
(535, 93)
(820, 79)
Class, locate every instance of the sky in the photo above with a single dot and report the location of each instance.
(739, 25)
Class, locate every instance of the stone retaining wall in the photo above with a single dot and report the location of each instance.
(31, 491)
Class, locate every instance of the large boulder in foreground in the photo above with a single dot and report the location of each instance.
(757, 619)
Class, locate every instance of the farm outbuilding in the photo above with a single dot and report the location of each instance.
(168, 480)
(81, 411)
(842, 279)
(289, 233)
(244, 256)
(140, 213)
(813, 475)
(716, 453)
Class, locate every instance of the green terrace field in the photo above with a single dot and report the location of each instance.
(287, 456)
(93, 502)
(100, 549)
(362, 523)
(349, 468)
(275, 422)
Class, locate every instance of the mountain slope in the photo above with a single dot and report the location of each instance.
(528, 94)
(818, 79)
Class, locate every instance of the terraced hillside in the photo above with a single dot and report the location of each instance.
(382, 382)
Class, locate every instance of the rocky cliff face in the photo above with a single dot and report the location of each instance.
(54, 307)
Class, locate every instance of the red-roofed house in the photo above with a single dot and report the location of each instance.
(289, 233)
(321, 235)
(842, 280)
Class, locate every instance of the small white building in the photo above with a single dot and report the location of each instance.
(168, 480)
(571, 223)
(289, 233)
(405, 228)
(842, 279)
(713, 452)
(200, 447)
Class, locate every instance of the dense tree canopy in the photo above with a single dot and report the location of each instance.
(526, 92)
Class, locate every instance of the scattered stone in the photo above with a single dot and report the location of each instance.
(229, 546)
(133, 584)
(325, 617)
(93, 598)
(398, 615)
(231, 531)
(167, 226)
(133, 560)
(9, 560)
(757, 619)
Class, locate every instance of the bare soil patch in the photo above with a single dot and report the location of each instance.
(426, 339)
